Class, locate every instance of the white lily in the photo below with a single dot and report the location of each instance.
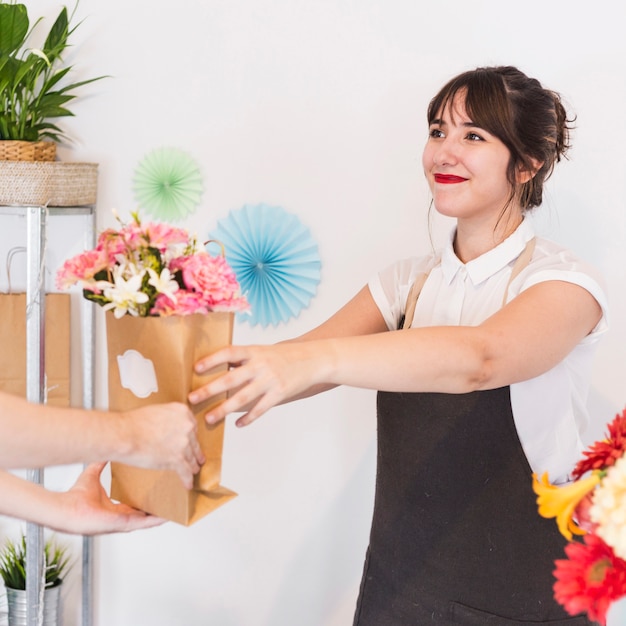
(124, 294)
(163, 283)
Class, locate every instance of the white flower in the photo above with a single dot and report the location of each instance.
(609, 508)
(41, 54)
(175, 250)
(164, 283)
(125, 294)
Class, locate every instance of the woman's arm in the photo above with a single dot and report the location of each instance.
(161, 436)
(85, 509)
(527, 337)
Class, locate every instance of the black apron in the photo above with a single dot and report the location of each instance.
(456, 538)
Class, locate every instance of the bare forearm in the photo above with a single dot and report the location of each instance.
(29, 501)
(85, 509)
(36, 436)
(408, 360)
(445, 359)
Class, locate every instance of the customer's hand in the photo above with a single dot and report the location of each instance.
(162, 436)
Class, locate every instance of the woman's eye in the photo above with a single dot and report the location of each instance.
(435, 133)
(474, 137)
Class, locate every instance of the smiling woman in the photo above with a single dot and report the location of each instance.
(481, 371)
(465, 166)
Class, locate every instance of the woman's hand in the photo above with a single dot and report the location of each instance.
(261, 377)
(162, 436)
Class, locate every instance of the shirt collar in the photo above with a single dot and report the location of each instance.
(491, 262)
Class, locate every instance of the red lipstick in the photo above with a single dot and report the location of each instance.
(448, 179)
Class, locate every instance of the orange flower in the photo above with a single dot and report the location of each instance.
(561, 502)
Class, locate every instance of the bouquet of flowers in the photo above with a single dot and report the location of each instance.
(153, 269)
(594, 574)
(169, 303)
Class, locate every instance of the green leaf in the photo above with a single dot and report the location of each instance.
(24, 67)
(56, 41)
(81, 83)
(54, 79)
(13, 563)
(13, 27)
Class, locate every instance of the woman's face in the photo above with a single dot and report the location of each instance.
(466, 167)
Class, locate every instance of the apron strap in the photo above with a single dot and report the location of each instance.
(411, 301)
(522, 261)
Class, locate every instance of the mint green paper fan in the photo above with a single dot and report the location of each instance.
(168, 184)
(275, 259)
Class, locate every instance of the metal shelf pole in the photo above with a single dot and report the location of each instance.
(35, 392)
(88, 319)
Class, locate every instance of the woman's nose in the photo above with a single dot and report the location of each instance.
(445, 153)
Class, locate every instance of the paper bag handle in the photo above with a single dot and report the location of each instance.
(11, 253)
(219, 243)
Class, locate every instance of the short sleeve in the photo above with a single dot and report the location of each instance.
(390, 287)
(564, 266)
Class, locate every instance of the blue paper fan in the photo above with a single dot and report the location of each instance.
(275, 259)
(168, 184)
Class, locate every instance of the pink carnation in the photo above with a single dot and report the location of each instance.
(210, 276)
(160, 235)
(82, 267)
(112, 243)
(187, 303)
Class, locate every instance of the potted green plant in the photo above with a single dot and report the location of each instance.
(32, 89)
(13, 572)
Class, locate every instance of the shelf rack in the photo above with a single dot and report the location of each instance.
(36, 224)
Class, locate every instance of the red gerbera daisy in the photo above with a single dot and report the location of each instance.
(590, 578)
(603, 454)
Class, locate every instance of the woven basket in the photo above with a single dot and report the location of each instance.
(54, 183)
(11, 150)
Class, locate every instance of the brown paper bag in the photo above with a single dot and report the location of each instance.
(57, 346)
(151, 361)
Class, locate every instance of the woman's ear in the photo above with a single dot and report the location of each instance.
(524, 174)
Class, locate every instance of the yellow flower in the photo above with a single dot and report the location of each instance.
(560, 502)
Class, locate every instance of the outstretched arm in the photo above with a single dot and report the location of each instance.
(85, 509)
(161, 436)
(526, 338)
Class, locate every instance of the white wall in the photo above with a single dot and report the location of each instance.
(319, 107)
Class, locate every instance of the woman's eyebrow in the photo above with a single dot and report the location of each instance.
(440, 122)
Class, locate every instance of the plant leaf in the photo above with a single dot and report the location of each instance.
(13, 27)
(56, 41)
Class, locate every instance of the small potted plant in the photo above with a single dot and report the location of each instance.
(32, 89)
(13, 572)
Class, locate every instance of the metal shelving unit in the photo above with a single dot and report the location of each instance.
(36, 223)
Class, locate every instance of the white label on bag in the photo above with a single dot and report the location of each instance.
(137, 374)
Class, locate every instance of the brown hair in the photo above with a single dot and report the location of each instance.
(530, 120)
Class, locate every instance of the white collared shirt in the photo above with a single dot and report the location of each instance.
(550, 410)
